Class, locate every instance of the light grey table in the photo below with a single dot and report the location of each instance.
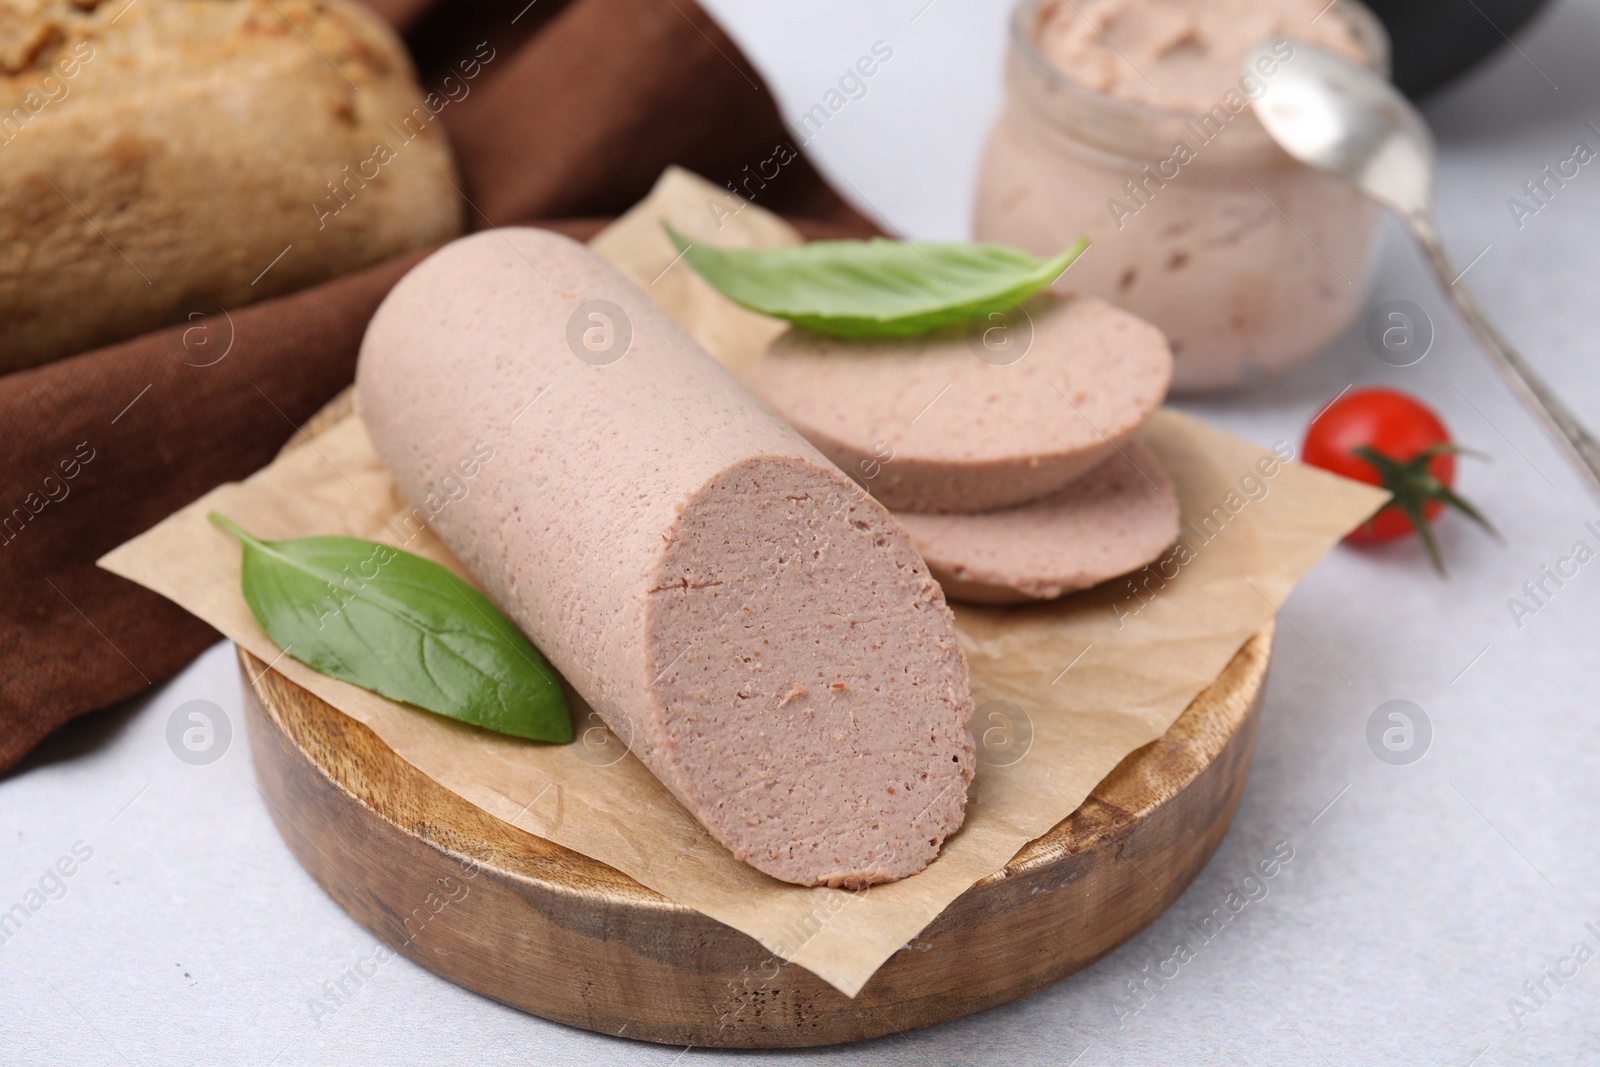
(1420, 898)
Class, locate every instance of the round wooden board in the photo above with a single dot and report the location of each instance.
(566, 937)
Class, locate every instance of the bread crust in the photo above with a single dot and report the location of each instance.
(172, 158)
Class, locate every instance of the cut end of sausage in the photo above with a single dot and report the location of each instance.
(967, 419)
(1117, 518)
(783, 594)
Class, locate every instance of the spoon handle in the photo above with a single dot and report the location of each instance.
(1560, 423)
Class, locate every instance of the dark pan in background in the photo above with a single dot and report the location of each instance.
(1436, 40)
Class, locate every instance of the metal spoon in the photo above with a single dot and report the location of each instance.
(1348, 121)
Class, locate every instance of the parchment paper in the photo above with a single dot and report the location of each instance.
(1064, 690)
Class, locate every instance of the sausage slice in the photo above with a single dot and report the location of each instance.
(972, 418)
(1115, 519)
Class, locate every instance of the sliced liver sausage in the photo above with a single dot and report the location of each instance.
(926, 425)
(756, 627)
(1115, 519)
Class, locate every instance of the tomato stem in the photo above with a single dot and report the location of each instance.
(1414, 487)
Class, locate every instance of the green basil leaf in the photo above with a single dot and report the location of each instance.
(874, 288)
(400, 626)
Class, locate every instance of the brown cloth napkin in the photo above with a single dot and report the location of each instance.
(591, 100)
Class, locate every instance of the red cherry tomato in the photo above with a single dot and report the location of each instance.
(1392, 424)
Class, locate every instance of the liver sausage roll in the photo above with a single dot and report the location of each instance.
(755, 627)
(1115, 519)
(943, 422)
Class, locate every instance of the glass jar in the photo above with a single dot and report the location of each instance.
(1249, 261)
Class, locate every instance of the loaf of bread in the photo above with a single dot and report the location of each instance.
(163, 158)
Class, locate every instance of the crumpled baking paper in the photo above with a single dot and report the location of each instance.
(1064, 690)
